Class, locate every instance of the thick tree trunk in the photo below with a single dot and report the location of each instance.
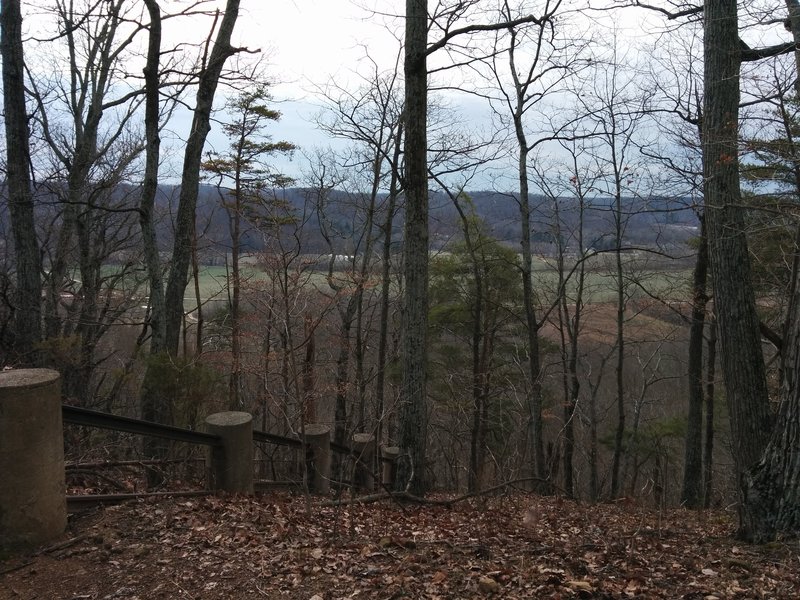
(190, 178)
(771, 507)
(772, 497)
(27, 315)
(692, 493)
(772, 501)
(413, 402)
(793, 7)
(738, 323)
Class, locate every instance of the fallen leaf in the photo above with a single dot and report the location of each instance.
(438, 577)
(580, 586)
(487, 585)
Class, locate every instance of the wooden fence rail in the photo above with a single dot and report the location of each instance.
(93, 418)
(224, 462)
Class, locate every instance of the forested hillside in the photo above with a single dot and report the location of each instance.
(587, 286)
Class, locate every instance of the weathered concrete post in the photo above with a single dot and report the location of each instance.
(318, 458)
(389, 455)
(232, 465)
(33, 504)
(364, 450)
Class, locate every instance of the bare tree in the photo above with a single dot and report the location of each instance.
(538, 59)
(368, 117)
(91, 153)
(574, 183)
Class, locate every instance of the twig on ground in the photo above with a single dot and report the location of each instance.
(448, 502)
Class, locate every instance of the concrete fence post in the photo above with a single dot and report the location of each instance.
(33, 503)
(318, 458)
(389, 454)
(232, 464)
(364, 451)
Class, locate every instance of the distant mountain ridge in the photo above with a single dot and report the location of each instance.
(655, 222)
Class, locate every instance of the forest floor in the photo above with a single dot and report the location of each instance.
(510, 546)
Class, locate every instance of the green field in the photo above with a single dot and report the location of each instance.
(602, 287)
(599, 286)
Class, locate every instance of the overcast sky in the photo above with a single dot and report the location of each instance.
(311, 42)
(306, 44)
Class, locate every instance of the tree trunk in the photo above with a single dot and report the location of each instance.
(616, 483)
(27, 315)
(532, 330)
(235, 223)
(413, 409)
(708, 448)
(594, 479)
(198, 301)
(190, 178)
(742, 360)
(309, 381)
(570, 324)
(772, 497)
(771, 507)
(383, 335)
(154, 407)
(342, 383)
(150, 183)
(692, 493)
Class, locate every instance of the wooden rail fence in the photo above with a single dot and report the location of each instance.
(231, 461)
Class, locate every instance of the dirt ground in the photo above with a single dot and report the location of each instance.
(513, 546)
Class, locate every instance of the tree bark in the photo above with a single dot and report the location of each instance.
(27, 316)
(692, 493)
(772, 499)
(771, 506)
(413, 409)
(154, 407)
(742, 360)
(150, 182)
